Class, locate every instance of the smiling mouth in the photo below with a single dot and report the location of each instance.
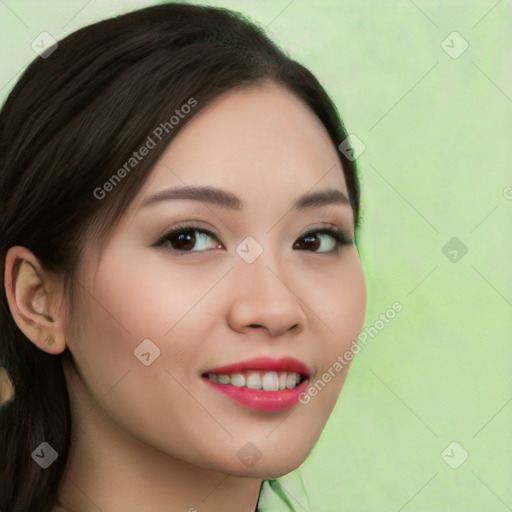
(263, 383)
(262, 391)
(258, 380)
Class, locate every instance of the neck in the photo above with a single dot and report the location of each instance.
(110, 470)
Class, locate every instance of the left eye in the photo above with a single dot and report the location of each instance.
(186, 240)
(314, 240)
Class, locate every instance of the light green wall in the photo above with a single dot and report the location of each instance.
(437, 165)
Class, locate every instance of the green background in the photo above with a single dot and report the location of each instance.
(437, 164)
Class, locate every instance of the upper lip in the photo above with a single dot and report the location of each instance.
(265, 364)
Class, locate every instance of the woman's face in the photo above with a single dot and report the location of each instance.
(156, 318)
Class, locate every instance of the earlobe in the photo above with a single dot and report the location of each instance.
(32, 294)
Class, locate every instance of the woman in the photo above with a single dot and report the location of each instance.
(179, 266)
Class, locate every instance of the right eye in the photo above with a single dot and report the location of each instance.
(185, 239)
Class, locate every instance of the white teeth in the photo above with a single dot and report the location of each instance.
(268, 381)
(238, 380)
(282, 381)
(253, 381)
(291, 380)
(223, 379)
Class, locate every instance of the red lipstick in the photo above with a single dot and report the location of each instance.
(265, 364)
(280, 382)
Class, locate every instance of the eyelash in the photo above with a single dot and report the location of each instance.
(340, 237)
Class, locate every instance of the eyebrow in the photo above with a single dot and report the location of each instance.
(230, 201)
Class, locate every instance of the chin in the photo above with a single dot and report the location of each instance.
(276, 469)
(270, 460)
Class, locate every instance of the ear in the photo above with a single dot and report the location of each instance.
(35, 299)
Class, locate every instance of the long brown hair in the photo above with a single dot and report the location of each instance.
(72, 121)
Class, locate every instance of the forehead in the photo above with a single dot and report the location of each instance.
(251, 140)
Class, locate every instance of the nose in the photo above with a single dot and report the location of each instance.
(264, 297)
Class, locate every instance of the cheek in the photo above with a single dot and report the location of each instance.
(340, 308)
(132, 300)
(150, 296)
(341, 304)
(102, 347)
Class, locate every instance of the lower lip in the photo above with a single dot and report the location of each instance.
(268, 401)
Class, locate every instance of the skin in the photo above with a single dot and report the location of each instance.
(157, 437)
